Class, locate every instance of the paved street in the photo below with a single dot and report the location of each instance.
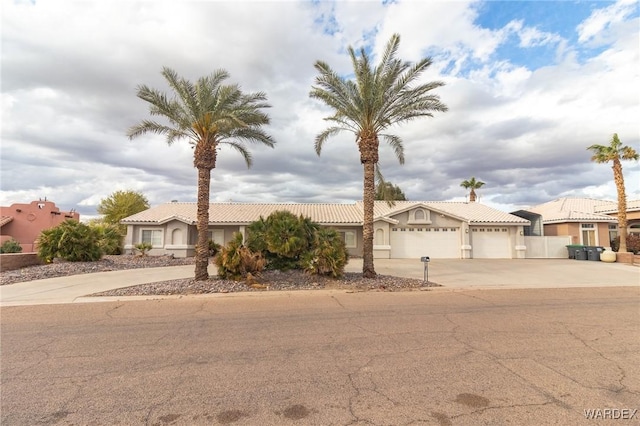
(535, 356)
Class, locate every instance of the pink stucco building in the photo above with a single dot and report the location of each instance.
(25, 222)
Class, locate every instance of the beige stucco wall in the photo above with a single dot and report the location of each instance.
(573, 230)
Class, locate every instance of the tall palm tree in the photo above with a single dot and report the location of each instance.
(207, 114)
(472, 184)
(376, 99)
(615, 152)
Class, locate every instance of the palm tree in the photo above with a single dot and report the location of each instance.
(472, 184)
(208, 114)
(615, 152)
(375, 100)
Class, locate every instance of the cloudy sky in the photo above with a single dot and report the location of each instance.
(529, 86)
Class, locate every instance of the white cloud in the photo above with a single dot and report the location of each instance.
(68, 96)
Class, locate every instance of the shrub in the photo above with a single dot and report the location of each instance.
(72, 241)
(214, 248)
(235, 260)
(143, 248)
(328, 255)
(110, 238)
(283, 238)
(11, 246)
(633, 243)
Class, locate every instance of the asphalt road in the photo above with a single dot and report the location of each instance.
(540, 356)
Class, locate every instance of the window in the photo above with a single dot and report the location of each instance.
(216, 235)
(349, 238)
(152, 236)
(613, 233)
(588, 234)
(419, 216)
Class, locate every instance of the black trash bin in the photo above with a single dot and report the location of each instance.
(573, 249)
(581, 253)
(593, 252)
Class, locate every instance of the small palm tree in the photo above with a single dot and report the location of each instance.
(615, 152)
(378, 98)
(472, 184)
(208, 114)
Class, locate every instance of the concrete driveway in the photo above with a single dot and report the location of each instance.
(510, 273)
(452, 274)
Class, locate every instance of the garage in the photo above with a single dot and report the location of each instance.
(490, 242)
(437, 243)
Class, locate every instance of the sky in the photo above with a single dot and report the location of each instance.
(528, 85)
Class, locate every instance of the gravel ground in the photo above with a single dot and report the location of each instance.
(265, 281)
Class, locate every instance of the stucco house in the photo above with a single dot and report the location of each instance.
(408, 229)
(587, 221)
(25, 222)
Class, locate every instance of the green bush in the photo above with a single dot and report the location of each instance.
(214, 248)
(235, 260)
(110, 238)
(11, 246)
(283, 238)
(633, 243)
(143, 248)
(291, 242)
(328, 255)
(72, 241)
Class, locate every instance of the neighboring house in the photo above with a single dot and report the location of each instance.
(587, 221)
(25, 222)
(409, 229)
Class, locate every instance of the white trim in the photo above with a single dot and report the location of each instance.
(412, 217)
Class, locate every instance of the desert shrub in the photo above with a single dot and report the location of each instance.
(214, 248)
(11, 246)
(235, 260)
(110, 237)
(328, 255)
(143, 248)
(72, 241)
(633, 243)
(283, 238)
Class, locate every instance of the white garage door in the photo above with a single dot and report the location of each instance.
(437, 243)
(490, 242)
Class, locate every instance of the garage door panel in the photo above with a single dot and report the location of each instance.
(416, 243)
(490, 243)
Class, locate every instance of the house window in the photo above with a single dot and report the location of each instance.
(419, 216)
(588, 233)
(216, 235)
(349, 238)
(152, 236)
(613, 233)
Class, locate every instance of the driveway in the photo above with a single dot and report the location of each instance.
(452, 274)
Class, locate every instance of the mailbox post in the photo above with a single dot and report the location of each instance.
(425, 260)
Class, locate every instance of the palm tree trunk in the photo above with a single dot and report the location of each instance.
(202, 246)
(622, 205)
(368, 198)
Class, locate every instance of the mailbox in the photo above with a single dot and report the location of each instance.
(425, 260)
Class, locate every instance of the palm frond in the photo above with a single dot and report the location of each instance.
(248, 158)
(396, 143)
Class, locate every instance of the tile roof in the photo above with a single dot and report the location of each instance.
(611, 207)
(5, 219)
(351, 214)
(567, 209)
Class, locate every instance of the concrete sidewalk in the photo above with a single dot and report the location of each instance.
(452, 274)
